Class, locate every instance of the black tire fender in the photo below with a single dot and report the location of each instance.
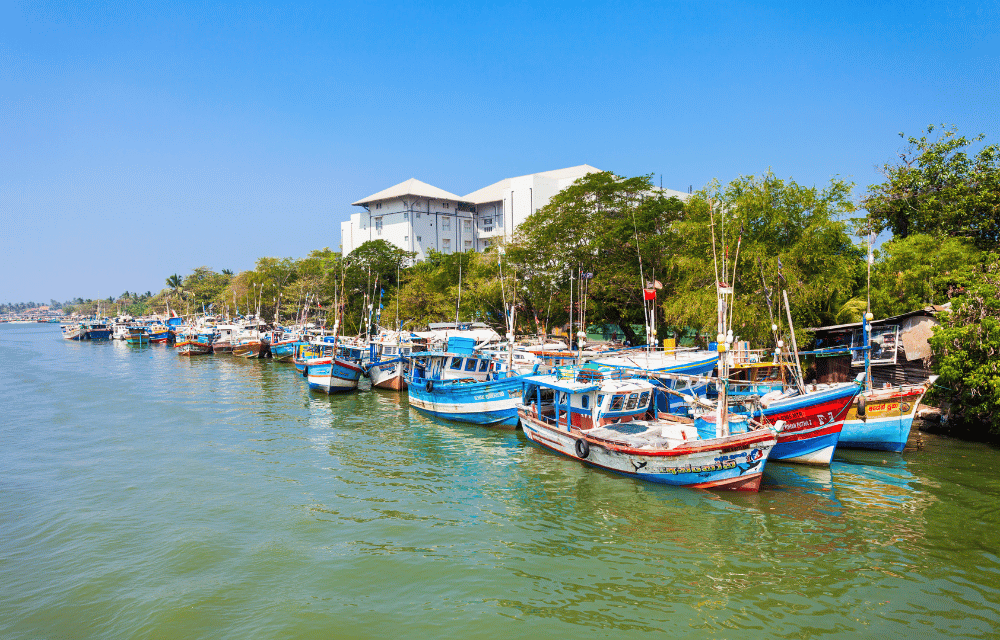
(582, 448)
(862, 406)
(429, 386)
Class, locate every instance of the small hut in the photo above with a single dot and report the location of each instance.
(900, 350)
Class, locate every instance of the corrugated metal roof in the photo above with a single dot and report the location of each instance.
(411, 187)
(926, 311)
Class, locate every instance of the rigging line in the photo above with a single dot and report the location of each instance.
(642, 277)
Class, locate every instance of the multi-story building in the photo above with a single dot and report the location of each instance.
(418, 217)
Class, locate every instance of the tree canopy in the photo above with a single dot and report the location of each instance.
(940, 187)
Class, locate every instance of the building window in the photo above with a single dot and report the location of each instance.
(446, 223)
(418, 215)
(467, 226)
(406, 215)
(446, 245)
(468, 245)
(444, 205)
(378, 205)
(487, 225)
(419, 239)
(406, 238)
(378, 225)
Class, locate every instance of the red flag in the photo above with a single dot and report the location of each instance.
(649, 294)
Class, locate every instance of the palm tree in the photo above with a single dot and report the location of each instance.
(175, 283)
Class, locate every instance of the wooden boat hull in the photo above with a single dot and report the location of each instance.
(887, 419)
(333, 375)
(813, 424)
(487, 403)
(159, 337)
(222, 347)
(390, 374)
(192, 348)
(734, 462)
(283, 351)
(253, 349)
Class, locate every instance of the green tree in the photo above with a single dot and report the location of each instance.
(921, 270)
(603, 225)
(940, 188)
(966, 347)
(777, 227)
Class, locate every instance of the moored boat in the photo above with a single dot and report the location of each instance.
(194, 343)
(881, 419)
(460, 384)
(813, 421)
(597, 416)
(333, 374)
(137, 334)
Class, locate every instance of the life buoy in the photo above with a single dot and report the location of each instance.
(429, 386)
(582, 448)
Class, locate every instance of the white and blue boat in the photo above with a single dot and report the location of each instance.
(464, 385)
(603, 418)
(331, 367)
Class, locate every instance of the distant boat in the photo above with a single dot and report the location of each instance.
(282, 344)
(137, 334)
(388, 360)
(194, 343)
(333, 374)
(97, 331)
(159, 333)
(223, 342)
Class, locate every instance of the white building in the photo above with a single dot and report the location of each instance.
(417, 217)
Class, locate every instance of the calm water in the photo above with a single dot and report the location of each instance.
(144, 495)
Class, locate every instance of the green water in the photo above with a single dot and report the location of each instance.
(145, 495)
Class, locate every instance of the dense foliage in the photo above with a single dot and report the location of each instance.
(941, 189)
(967, 351)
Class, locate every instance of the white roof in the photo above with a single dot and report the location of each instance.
(495, 191)
(411, 187)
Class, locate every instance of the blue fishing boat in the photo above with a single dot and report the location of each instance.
(606, 419)
(881, 419)
(137, 334)
(97, 331)
(463, 385)
(194, 342)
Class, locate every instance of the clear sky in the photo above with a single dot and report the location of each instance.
(142, 139)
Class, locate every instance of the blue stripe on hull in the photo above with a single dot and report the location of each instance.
(484, 417)
(796, 448)
(491, 402)
(890, 435)
(330, 390)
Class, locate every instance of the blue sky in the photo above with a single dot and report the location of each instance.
(142, 139)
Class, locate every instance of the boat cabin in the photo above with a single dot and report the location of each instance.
(586, 397)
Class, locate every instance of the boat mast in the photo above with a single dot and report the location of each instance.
(722, 338)
(867, 325)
